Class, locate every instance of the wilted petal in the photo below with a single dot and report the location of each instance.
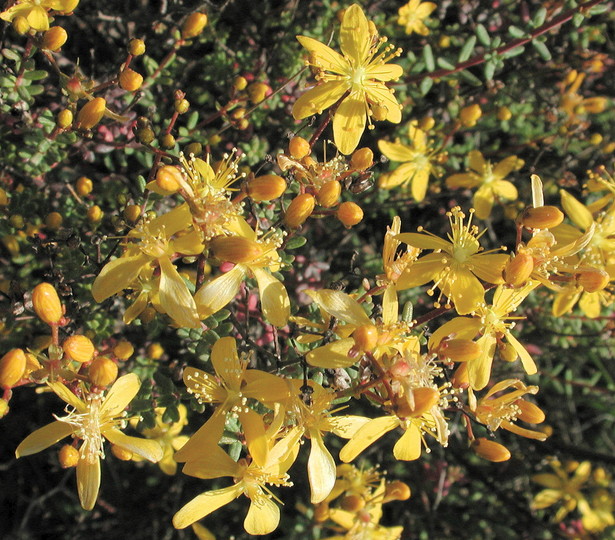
(274, 297)
(88, 482)
(206, 503)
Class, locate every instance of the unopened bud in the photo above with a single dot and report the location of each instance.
(4, 407)
(542, 217)
(298, 147)
(84, 186)
(136, 47)
(362, 159)
(181, 106)
(397, 491)
(349, 214)
(78, 348)
(103, 371)
(194, 25)
(365, 337)
(257, 91)
(329, 193)
(130, 80)
(460, 378)
(123, 350)
(68, 456)
(132, 213)
(145, 135)
(595, 105)
(155, 351)
(194, 148)
(169, 178)
(490, 450)
(300, 208)
(530, 412)
(65, 118)
(507, 352)
(352, 503)
(379, 112)
(167, 141)
(504, 114)
(469, 115)
(46, 303)
(94, 214)
(240, 83)
(53, 220)
(266, 187)
(427, 122)
(592, 279)
(91, 113)
(424, 399)
(12, 368)
(459, 350)
(121, 453)
(236, 249)
(518, 269)
(54, 38)
(321, 512)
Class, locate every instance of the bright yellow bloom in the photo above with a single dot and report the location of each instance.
(573, 104)
(489, 179)
(598, 513)
(418, 162)
(260, 262)
(230, 388)
(36, 11)
(92, 420)
(355, 78)
(157, 241)
(455, 264)
(412, 15)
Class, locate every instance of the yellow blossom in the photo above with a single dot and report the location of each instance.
(92, 420)
(355, 78)
(412, 15)
(36, 12)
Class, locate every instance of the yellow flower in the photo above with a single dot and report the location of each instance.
(412, 15)
(156, 242)
(355, 78)
(268, 465)
(573, 104)
(598, 515)
(489, 180)
(418, 162)
(230, 388)
(92, 420)
(258, 261)
(36, 11)
(455, 264)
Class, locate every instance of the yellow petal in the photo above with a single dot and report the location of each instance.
(65, 394)
(332, 355)
(274, 297)
(402, 175)
(479, 370)
(340, 305)
(175, 298)
(466, 290)
(355, 38)
(349, 123)
(212, 463)
(476, 162)
(171, 223)
(347, 426)
(483, 202)
(457, 328)
(88, 482)
(408, 447)
(319, 98)
(216, 294)
(380, 95)
(565, 301)
(590, 304)
(321, 469)
(396, 151)
(120, 395)
(384, 72)
(267, 388)
(38, 19)
(188, 244)
(424, 241)
(463, 180)
(263, 515)
(506, 166)
(576, 211)
(489, 267)
(136, 308)
(204, 442)
(43, 438)
(146, 448)
(390, 306)
(419, 183)
(421, 272)
(226, 362)
(367, 435)
(256, 437)
(505, 190)
(548, 480)
(526, 359)
(206, 503)
(546, 498)
(325, 56)
(117, 275)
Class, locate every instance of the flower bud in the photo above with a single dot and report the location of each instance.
(379, 112)
(194, 25)
(460, 378)
(329, 193)
(236, 249)
(155, 351)
(53, 220)
(32, 364)
(349, 214)
(78, 348)
(240, 83)
(9, 241)
(21, 25)
(507, 352)
(504, 114)
(352, 503)
(123, 350)
(542, 217)
(91, 113)
(54, 38)
(530, 412)
(4, 407)
(321, 512)
(12, 368)
(94, 214)
(68, 456)
(64, 119)
(365, 337)
(84, 186)
(181, 106)
(459, 350)
(362, 159)
(424, 398)
(194, 148)
(427, 122)
(490, 450)
(132, 213)
(121, 453)
(518, 269)
(595, 105)
(298, 147)
(592, 279)
(136, 47)
(4, 198)
(300, 208)
(103, 371)
(257, 91)
(130, 80)
(397, 491)
(169, 178)
(46, 303)
(145, 135)
(167, 141)
(469, 115)
(266, 187)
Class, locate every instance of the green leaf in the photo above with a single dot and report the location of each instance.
(426, 85)
(192, 120)
(428, 57)
(577, 19)
(540, 17)
(470, 78)
(516, 32)
(544, 53)
(444, 63)
(483, 35)
(296, 242)
(36, 89)
(467, 49)
(35, 75)
(11, 55)
(489, 70)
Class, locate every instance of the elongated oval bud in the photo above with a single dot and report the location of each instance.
(329, 193)
(103, 371)
(397, 491)
(490, 450)
(123, 350)
(530, 412)
(300, 208)
(469, 115)
(349, 214)
(46, 303)
(236, 249)
(592, 279)
(519, 269)
(542, 217)
(266, 187)
(169, 178)
(130, 80)
(54, 38)
(459, 350)
(424, 399)
(194, 25)
(298, 147)
(91, 113)
(12, 368)
(365, 337)
(362, 159)
(78, 348)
